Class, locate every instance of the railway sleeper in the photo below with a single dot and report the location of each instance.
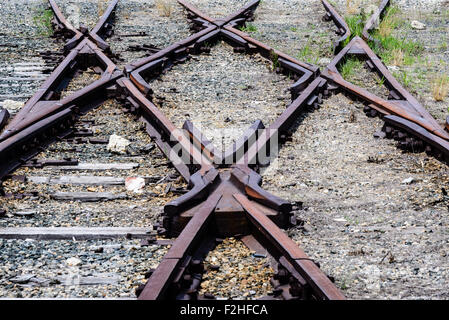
(407, 139)
(31, 141)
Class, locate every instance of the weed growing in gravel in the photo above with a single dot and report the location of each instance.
(397, 57)
(355, 24)
(389, 22)
(42, 19)
(440, 87)
(380, 81)
(349, 68)
(249, 27)
(307, 54)
(275, 60)
(101, 6)
(165, 7)
(391, 49)
(352, 6)
(402, 77)
(443, 46)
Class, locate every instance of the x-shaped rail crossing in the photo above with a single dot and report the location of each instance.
(225, 198)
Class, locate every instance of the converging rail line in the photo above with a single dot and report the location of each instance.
(225, 197)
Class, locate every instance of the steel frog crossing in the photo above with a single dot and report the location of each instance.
(225, 197)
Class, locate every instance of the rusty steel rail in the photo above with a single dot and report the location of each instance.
(374, 19)
(342, 27)
(399, 105)
(216, 181)
(40, 110)
(214, 205)
(103, 29)
(62, 28)
(225, 196)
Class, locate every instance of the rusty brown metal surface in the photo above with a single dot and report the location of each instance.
(225, 196)
(342, 27)
(63, 28)
(374, 20)
(103, 28)
(320, 283)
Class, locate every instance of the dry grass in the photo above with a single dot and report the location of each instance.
(389, 22)
(352, 6)
(440, 87)
(397, 57)
(165, 7)
(101, 5)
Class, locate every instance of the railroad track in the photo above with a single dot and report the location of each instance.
(224, 197)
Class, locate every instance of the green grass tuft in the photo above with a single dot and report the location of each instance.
(42, 19)
(275, 60)
(307, 54)
(349, 67)
(355, 24)
(249, 27)
(391, 49)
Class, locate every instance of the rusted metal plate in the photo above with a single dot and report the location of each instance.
(374, 19)
(312, 274)
(193, 230)
(199, 191)
(103, 29)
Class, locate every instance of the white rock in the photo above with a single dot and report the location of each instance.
(73, 261)
(324, 61)
(117, 144)
(12, 106)
(135, 184)
(340, 220)
(418, 25)
(22, 278)
(408, 181)
(393, 68)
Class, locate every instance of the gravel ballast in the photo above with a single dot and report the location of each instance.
(376, 219)
(68, 269)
